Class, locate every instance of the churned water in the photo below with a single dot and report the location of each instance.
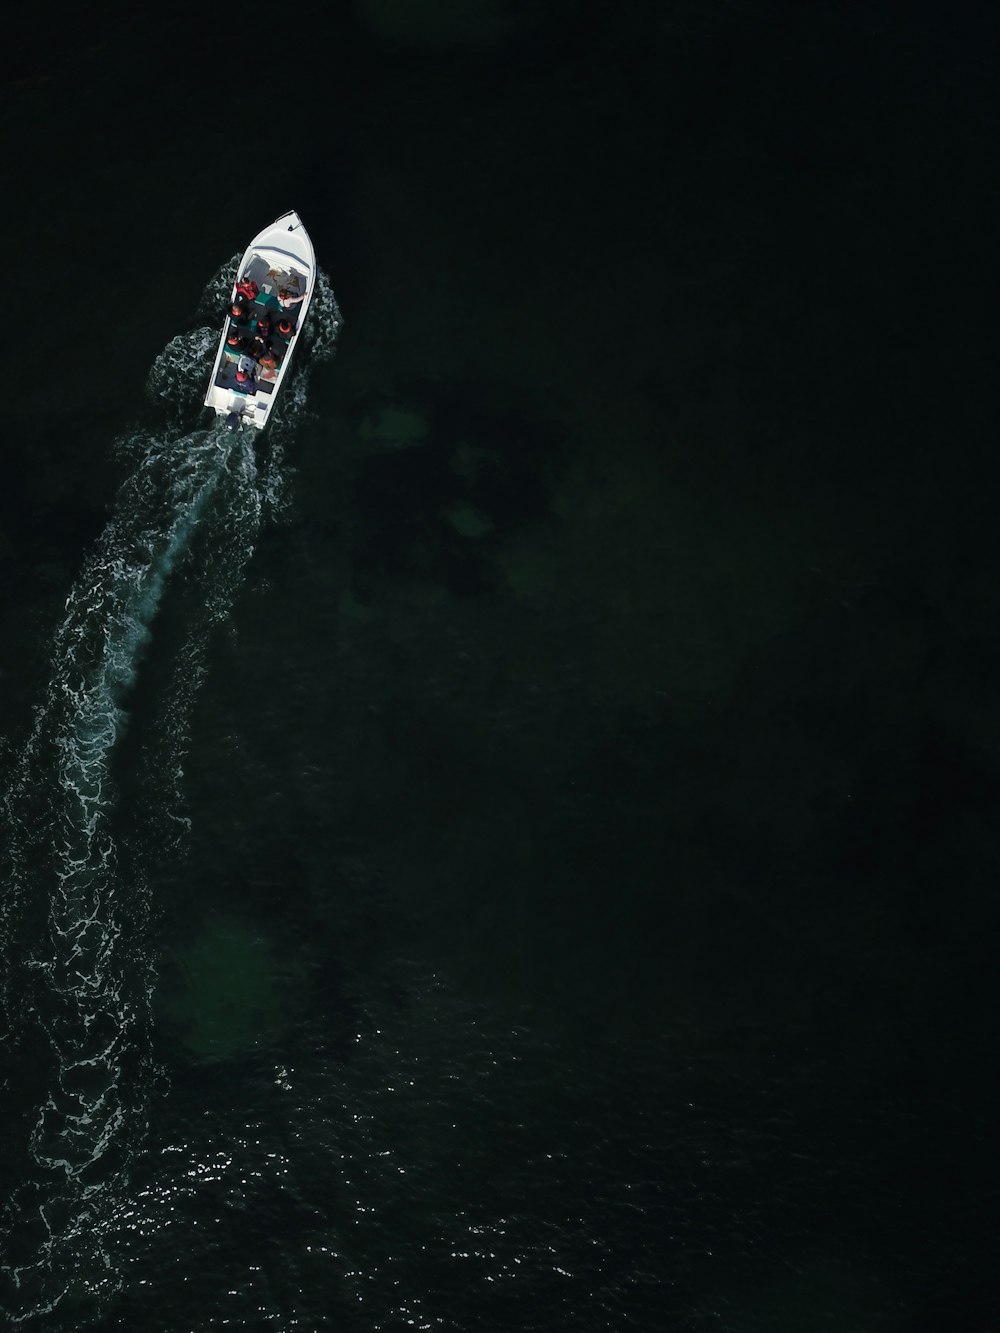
(80, 962)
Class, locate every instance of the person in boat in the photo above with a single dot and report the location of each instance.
(246, 380)
(287, 297)
(235, 341)
(285, 326)
(240, 312)
(259, 348)
(247, 288)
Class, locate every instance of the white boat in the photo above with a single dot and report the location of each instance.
(273, 287)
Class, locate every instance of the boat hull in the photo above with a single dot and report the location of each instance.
(244, 385)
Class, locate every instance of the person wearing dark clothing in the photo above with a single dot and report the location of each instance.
(246, 375)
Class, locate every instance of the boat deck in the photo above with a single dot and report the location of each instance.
(279, 256)
(269, 281)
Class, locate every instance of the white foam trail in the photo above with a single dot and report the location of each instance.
(218, 576)
(87, 968)
(79, 973)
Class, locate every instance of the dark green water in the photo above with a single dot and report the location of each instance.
(515, 849)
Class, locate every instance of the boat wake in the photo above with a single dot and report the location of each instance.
(79, 974)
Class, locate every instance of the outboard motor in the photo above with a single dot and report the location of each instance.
(233, 420)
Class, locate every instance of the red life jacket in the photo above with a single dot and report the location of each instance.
(248, 289)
